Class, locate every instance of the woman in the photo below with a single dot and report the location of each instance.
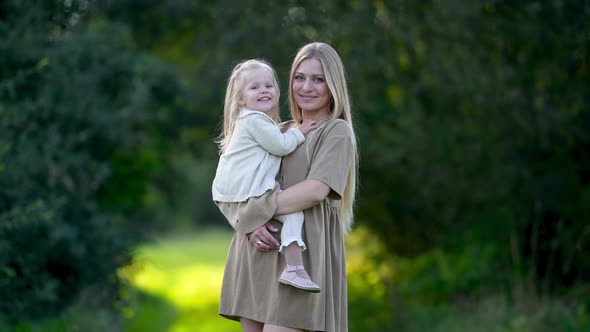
(319, 178)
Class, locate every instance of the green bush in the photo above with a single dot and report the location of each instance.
(75, 100)
(444, 276)
(496, 314)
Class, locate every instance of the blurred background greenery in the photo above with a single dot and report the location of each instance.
(473, 119)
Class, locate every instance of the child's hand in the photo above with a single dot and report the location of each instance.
(307, 126)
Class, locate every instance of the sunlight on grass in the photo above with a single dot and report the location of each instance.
(186, 272)
(181, 279)
(188, 287)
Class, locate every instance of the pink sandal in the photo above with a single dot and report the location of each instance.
(290, 277)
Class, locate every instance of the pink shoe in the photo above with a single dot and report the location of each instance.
(290, 277)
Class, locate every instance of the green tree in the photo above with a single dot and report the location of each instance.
(76, 110)
(484, 109)
(471, 117)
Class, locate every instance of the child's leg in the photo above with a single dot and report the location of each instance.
(291, 231)
(291, 245)
(291, 242)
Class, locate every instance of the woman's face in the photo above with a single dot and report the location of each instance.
(310, 90)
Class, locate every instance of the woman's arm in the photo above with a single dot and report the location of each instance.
(301, 196)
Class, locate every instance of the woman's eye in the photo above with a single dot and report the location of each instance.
(298, 77)
(319, 80)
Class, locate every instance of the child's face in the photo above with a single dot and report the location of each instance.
(260, 92)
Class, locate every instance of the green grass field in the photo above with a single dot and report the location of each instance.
(176, 284)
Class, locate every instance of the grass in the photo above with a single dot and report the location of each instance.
(175, 282)
(173, 286)
(179, 281)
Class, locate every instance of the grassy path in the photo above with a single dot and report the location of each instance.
(175, 285)
(177, 282)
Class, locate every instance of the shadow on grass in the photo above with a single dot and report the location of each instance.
(148, 312)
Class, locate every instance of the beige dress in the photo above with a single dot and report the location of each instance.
(250, 286)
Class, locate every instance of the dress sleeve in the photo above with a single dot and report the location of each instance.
(333, 158)
(268, 135)
(245, 217)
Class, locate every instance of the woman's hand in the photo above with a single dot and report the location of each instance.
(262, 238)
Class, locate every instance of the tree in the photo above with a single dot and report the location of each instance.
(75, 115)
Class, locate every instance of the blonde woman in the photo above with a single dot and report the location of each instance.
(319, 178)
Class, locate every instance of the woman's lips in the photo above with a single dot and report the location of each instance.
(307, 98)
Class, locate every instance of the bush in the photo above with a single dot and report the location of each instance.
(496, 314)
(74, 103)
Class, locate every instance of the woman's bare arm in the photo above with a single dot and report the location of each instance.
(298, 197)
(301, 196)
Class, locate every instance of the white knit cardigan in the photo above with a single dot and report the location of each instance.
(249, 165)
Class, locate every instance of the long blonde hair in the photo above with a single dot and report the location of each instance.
(339, 108)
(235, 89)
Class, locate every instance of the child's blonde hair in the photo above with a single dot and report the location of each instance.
(339, 108)
(235, 89)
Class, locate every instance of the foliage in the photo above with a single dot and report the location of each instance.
(485, 118)
(496, 314)
(370, 272)
(472, 119)
(444, 291)
(160, 296)
(73, 134)
(80, 317)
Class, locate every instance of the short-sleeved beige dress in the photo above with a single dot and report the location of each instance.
(250, 286)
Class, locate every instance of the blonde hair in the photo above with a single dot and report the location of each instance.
(235, 89)
(339, 108)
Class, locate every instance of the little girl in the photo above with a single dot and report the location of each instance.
(251, 148)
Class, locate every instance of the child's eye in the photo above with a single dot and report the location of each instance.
(270, 86)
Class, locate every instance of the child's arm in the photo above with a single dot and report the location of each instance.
(307, 126)
(269, 136)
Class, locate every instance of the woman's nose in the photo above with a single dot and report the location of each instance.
(307, 85)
